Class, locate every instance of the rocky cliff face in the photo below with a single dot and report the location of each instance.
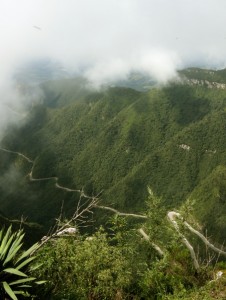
(206, 83)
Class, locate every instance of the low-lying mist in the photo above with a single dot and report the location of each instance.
(104, 41)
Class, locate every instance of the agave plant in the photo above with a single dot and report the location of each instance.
(13, 265)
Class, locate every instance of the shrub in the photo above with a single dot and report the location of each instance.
(84, 269)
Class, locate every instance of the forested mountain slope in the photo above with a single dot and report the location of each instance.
(118, 141)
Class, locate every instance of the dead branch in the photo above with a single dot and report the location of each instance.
(172, 216)
(199, 234)
(121, 213)
(69, 227)
(147, 238)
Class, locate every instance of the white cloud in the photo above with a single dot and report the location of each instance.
(159, 64)
(109, 38)
(97, 32)
(105, 71)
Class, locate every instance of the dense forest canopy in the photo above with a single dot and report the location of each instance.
(118, 141)
(77, 146)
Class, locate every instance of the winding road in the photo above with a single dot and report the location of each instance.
(172, 215)
(31, 178)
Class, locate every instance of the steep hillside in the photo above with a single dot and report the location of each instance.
(207, 78)
(117, 141)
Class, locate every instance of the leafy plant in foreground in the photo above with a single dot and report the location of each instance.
(13, 265)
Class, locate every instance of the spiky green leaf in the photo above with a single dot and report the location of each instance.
(4, 241)
(18, 238)
(35, 267)
(24, 263)
(11, 255)
(25, 294)
(15, 272)
(9, 291)
(28, 252)
(40, 282)
(22, 280)
(1, 233)
(7, 247)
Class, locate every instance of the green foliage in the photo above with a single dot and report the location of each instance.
(119, 265)
(156, 224)
(117, 141)
(84, 269)
(174, 272)
(14, 279)
(211, 192)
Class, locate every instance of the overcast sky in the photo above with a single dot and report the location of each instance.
(108, 38)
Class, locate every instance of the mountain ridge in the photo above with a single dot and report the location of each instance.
(118, 141)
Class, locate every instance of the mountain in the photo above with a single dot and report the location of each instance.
(207, 78)
(137, 81)
(118, 141)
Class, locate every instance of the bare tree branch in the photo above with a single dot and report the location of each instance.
(172, 215)
(199, 234)
(147, 238)
(121, 213)
(69, 227)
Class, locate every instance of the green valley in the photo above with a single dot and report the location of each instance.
(155, 160)
(118, 141)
